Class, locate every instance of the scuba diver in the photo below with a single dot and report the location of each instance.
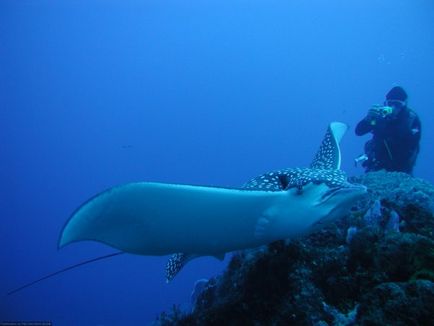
(396, 132)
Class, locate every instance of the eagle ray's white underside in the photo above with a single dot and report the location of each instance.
(158, 219)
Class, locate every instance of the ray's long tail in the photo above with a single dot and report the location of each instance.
(65, 270)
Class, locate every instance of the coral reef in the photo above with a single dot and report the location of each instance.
(373, 267)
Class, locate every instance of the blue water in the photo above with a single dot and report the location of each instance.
(99, 93)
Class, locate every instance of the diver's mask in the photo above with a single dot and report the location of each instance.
(395, 103)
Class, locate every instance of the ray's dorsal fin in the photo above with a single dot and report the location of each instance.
(328, 156)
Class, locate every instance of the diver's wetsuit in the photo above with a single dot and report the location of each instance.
(395, 142)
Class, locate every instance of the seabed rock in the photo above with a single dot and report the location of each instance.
(382, 274)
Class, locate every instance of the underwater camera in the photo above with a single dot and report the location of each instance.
(381, 110)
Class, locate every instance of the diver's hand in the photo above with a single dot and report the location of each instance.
(378, 114)
(374, 113)
(373, 116)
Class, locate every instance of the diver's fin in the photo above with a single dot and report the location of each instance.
(177, 261)
(329, 154)
(64, 270)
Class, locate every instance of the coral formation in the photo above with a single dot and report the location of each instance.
(361, 270)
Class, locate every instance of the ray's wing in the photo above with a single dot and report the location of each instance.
(177, 261)
(328, 156)
(159, 219)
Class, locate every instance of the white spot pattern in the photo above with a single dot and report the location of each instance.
(296, 177)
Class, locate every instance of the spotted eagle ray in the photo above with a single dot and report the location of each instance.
(189, 221)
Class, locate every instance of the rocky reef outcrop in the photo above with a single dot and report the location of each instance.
(373, 267)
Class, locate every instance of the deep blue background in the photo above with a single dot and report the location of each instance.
(99, 93)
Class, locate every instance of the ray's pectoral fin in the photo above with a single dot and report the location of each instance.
(161, 219)
(177, 262)
(328, 156)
